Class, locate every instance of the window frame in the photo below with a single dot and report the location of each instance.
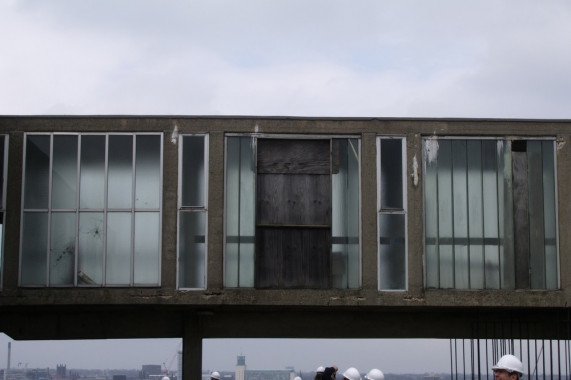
(3, 206)
(510, 138)
(257, 136)
(403, 211)
(192, 209)
(77, 210)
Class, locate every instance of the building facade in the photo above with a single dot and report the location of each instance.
(225, 227)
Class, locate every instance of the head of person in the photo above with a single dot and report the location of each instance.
(215, 375)
(297, 378)
(351, 374)
(508, 368)
(319, 373)
(329, 373)
(375, 374)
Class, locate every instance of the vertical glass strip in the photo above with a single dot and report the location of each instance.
(147, 248)
(62, 248)
(536, 216)
(431, 213)
(92, 175)
(193, 175)
(37, 172)
(120, 172)
(460, 214)
(118, 256)
(550, 216)
(506, 215)
(64, 172)
(91, 248)
(476, 213)
(491, 228)
(391, 174)
(34, 250)
(148, 172)
(445, 216)
(192, 258)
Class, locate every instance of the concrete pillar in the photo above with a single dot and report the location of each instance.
(192, 350)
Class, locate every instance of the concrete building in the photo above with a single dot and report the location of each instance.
(243, 373)
(226, 227)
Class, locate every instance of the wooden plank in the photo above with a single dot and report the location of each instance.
(536, 217)
(294, 156)
(521, 220)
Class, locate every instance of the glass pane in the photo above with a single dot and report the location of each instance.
(120, 172)
(431, 212)
(192, 250)
(64, 172)
(445, 217)
(391, 174)
(62, 248)
(91, 244)
(345, 214)
(34, 248)
(506, 216)
(460, 212)
(193, 174)
(551, 272)
(37, 172)
(147, 247)
(92, 177)
(392, 256)
(490, 207)
(118, 260)
(2, 153)
(240, 202)
(475, 213)
(148, 172)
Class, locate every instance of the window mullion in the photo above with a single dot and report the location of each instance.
(49, 209)
(133, 208)
(105, 209)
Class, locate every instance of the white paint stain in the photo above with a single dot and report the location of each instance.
(256, 128)
(415, 171)
(174, 136)
(431, 150)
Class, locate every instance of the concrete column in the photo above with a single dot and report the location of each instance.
(192, 350)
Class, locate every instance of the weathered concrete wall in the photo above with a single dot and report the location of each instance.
(48, 313)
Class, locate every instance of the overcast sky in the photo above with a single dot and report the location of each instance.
(408, 58)
(394, 58)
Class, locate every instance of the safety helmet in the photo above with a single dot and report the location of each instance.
(320, 369)
(509, 363)
(352, 374)
(297, 378)
(215, 375)
(375, 374)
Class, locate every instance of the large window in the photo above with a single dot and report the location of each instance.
(3, 175)
(292, 212)
(192, 211)
(490, 214)
(391, 206)
(91, 210)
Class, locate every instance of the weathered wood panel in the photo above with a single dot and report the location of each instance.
(521, 219)
(294, 156)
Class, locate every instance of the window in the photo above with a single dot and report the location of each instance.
(490, 214)
(91, 210)
(192, 211)
(3, 175)
(292, 212)
(391, 206)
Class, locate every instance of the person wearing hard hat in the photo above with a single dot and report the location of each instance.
(351, 374)
(375, 374)
(215, 375)
(319, 373)
(297, 378)
(508, 368)
(330, 373)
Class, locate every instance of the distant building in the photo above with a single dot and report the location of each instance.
(151, 369)
(244, 374)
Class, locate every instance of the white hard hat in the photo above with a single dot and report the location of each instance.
(375, 374)
(352, 374)
(297, 378)
(215, 375)
(509, 363)
(320, 369)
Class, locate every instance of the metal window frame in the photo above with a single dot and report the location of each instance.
(403, 211)
(198, 209)
(506, 138)
(255, 136)
(105, 209)
(4, 185)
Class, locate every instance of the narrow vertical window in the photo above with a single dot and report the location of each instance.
(479, 196)
(192, 212)
(81, 205)
(391, 206)
(3, 178)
